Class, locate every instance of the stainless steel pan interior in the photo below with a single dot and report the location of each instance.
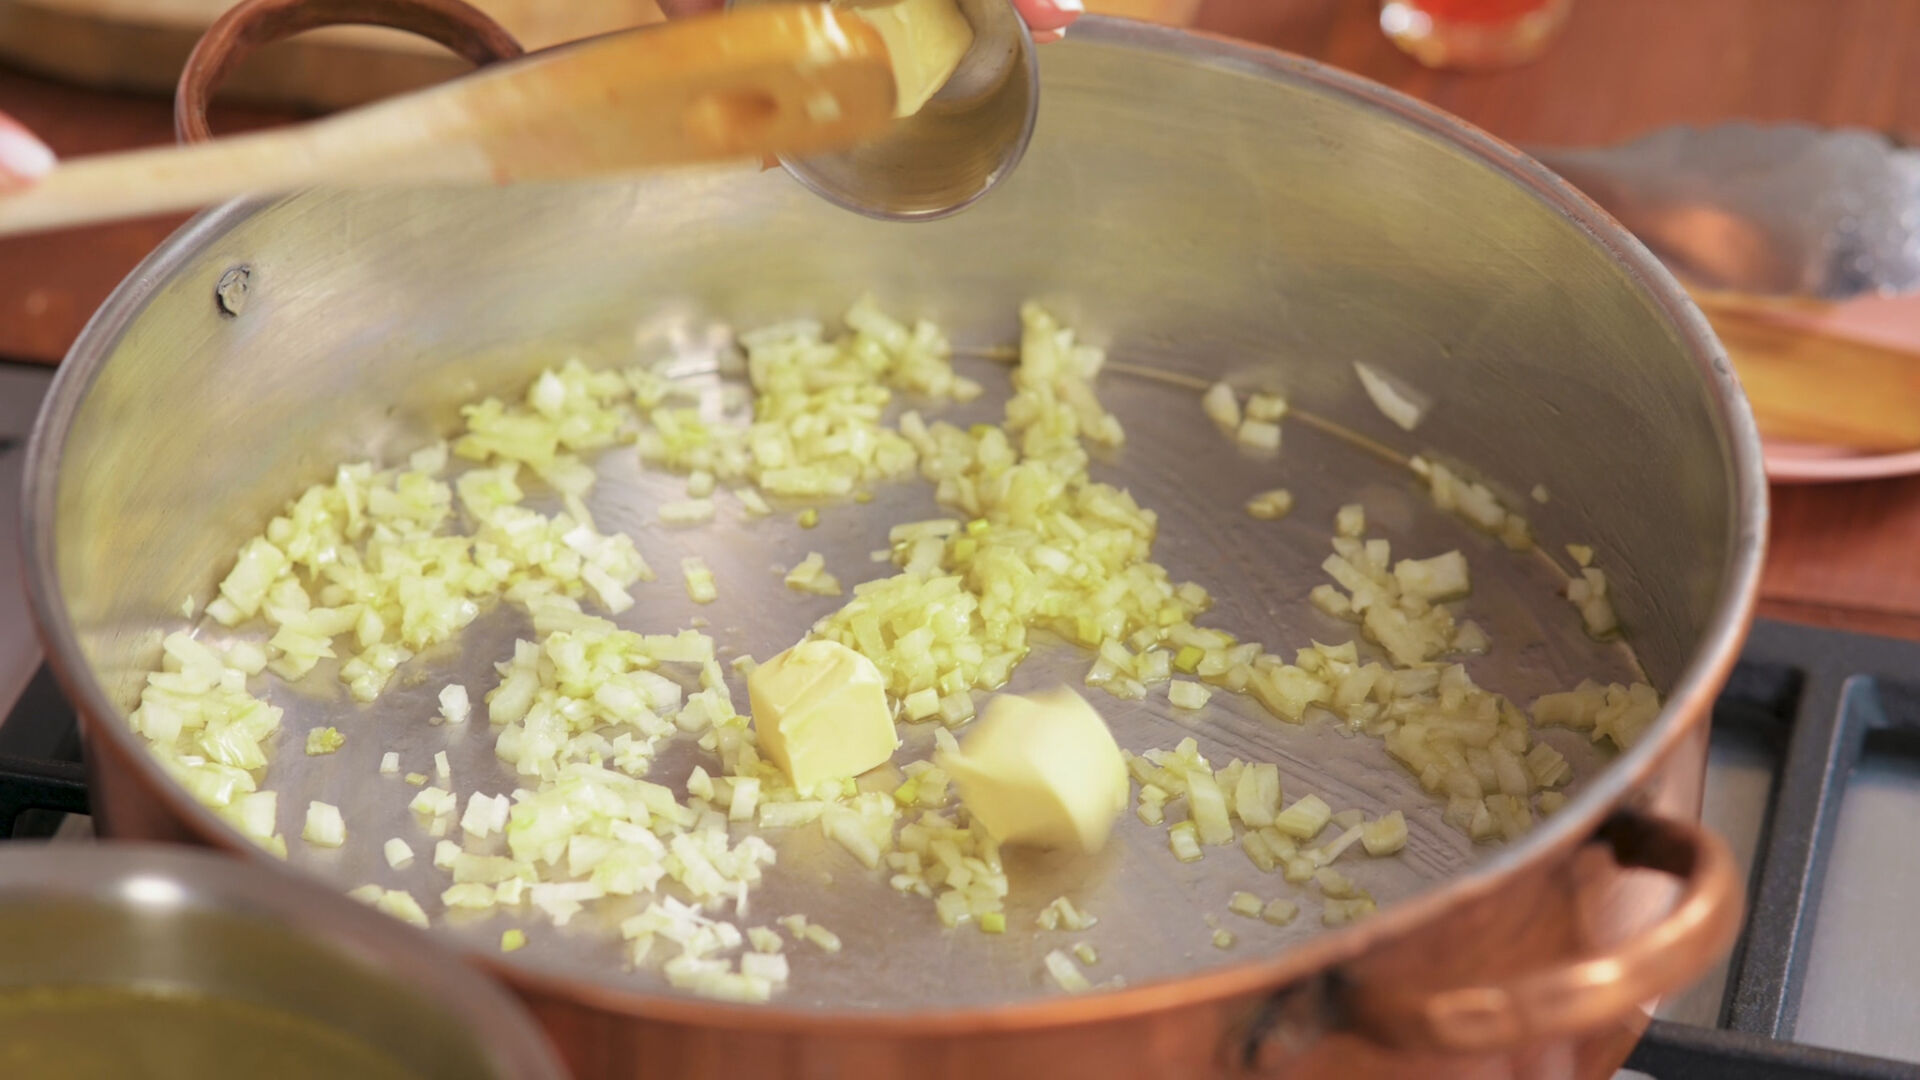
(172, 921)
(1204, 210)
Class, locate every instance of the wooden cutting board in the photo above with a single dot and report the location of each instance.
(140, 45)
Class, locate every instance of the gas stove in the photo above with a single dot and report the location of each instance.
(1814, 778)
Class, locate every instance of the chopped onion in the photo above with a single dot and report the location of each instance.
(1305, 818)
(1061, 914)
(1385, 836)
(699, 580)
(1221, 406)
(1270, 505)
(811, 577)
(1268, 407)
(365, 569)
(398, 852)
(1187, 695)
(1184, 838)
(324, 741)
(752, 503)
(1065, 973)
(324, 827)
(1397, 402)
(1342, 912)
(454, 706)
(401, 905)
(1279, 912)
(1350, 521)
(1589, 594)
(1258, 434)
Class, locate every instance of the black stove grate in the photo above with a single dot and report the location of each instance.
(1818, 699)
(41, 779)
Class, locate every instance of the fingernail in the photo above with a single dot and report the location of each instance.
(23, 155)
(1048, 37)
(1074, 6)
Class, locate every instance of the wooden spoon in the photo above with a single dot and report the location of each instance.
(788, 79)
(1814, 387)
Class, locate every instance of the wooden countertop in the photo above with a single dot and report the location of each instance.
(1842, 555)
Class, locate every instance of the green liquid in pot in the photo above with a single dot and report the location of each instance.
(112, 1033)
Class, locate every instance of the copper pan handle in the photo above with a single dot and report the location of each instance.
(1584, 994)
(250, 24)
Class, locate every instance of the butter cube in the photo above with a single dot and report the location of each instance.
(926, 40)
(1041, 770)
(820, 711)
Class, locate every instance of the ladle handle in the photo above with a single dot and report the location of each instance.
(251, 24)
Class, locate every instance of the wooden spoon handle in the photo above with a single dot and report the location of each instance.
(787, 78)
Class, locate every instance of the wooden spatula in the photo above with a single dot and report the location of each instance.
(1813, 387)
(788, 78)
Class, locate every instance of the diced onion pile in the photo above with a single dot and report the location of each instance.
(360, 575)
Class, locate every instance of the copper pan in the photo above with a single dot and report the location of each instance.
(1207, 209)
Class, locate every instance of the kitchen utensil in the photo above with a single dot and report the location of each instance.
(126, 917)
(1780, 210)
(1208, 210)
(693, 91)
(966, 139)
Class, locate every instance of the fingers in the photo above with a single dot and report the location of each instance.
(23, 158)
(1049, 18)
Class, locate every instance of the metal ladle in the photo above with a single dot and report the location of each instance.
(967, 138)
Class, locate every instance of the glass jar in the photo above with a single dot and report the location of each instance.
(1473, 34)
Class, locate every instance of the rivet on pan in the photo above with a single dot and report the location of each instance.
(1282, 1030)
(231, 294)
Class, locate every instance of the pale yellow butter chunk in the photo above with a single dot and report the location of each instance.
(820, 711)
(1041, 770)
(925, 42)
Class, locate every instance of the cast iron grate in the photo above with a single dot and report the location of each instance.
(1817, 699)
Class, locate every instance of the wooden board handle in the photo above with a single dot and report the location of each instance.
(1810, 386)
(252, 24)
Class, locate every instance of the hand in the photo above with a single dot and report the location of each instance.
(23, 158)
(1049, 19)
